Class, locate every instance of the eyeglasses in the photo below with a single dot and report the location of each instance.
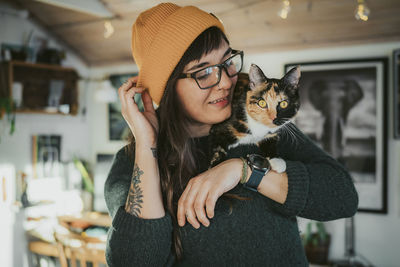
(211, 75)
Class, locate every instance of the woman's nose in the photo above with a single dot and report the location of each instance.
(225, 82)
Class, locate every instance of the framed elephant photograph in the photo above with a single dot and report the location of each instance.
(344, 110)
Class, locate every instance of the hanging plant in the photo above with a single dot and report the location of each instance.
(7, 112)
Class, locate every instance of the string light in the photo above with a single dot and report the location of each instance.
(108, 29)
(362, 11)
(283, 13)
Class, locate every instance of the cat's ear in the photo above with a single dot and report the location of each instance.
(256, 76)
(293, 76)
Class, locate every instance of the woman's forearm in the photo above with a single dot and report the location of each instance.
(273, 185)
(144, 196)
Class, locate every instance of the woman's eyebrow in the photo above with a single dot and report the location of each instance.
(198, 66)
(202, 64)
(229, 50)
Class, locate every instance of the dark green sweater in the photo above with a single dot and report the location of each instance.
(258, 232)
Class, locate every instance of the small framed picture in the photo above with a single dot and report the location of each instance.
(344, 109)
(46, 156)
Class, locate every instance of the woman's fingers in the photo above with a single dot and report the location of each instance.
(126, 95)
(147, 102)
(199, 204)
(212, 198)
(128, 100)
(188, 202)
(181, 215)
(133, 79)
(131, 82)
(185, 206)
(191, 218)
(191, 205)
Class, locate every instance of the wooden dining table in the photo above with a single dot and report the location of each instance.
(43, 248)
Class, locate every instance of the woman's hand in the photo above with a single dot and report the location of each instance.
(203, 191)
(144, 125)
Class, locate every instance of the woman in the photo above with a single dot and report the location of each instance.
(167, 208)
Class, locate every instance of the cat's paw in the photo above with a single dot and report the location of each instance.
(278, 165)
(219, 155)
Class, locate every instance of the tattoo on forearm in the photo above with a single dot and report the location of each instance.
(154, 150)
(135, 194)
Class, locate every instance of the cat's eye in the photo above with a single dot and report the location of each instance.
(283, 104)
(262, 103)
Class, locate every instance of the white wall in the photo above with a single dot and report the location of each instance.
(15, 150)
(377, 236)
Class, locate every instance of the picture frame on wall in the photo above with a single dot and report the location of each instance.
(344, 110)
(46, 156)
(118, 128)
(396, 93)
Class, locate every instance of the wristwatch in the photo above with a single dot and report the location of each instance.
(259, 167)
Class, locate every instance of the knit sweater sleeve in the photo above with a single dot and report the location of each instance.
(133, 241)
(320, 188)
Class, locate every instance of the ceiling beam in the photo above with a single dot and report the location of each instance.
(92, 7)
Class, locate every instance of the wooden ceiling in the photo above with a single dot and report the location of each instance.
(252, 25)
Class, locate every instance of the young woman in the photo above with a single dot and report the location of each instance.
(168, 208)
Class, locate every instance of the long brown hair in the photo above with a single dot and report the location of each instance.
(176, 157)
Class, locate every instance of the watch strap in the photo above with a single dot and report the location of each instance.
(255, 179)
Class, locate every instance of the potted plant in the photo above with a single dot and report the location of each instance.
(316, 242)
(87, 183)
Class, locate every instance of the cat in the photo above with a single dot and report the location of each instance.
(260, 107)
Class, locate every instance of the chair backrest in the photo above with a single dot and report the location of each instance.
(79, 248)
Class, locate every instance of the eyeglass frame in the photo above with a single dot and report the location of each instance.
(220, 67)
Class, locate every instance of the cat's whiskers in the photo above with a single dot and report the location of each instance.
(299, 137)
(287, 128)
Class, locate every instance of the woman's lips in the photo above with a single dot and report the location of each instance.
(221, 102)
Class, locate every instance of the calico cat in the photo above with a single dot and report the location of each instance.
(260, 107)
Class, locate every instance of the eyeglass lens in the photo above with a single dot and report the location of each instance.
(211, 76)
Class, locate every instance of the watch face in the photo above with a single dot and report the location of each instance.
(259, 162)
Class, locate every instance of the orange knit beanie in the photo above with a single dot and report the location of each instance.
(160, 37)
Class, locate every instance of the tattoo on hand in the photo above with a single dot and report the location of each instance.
(154, 150)
(135, 194)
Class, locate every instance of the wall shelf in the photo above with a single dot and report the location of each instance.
(38, 83)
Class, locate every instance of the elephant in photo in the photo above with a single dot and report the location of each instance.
(334, 99)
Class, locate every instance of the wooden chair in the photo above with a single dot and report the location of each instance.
(75, 248)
